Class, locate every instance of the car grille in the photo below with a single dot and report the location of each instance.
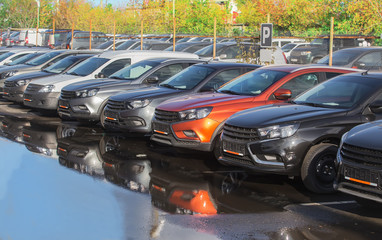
(10, 84)
(33, 87)
(364, 156)
(67, 94)
(295, 54)
(115, 105)
(166, 116)
(240, 134)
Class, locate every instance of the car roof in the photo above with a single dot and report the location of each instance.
(163, 60)
(360, 49)
(222, 65)
(295, 67)
(131, 53)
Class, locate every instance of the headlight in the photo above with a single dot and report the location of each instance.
(87, 93)
(47, 88)
(8, 74)
(22, 82)
(137, 104)
(196, 113)
(278, 131)
(306, 53)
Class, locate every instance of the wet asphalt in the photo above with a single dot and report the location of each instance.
(65, 180)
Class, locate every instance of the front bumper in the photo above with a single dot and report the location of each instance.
(300, 59)
(200, 133)
(81, 108)
(359, 180)
(15, 94)
(135, 120)
(42, 100)
(280, 156)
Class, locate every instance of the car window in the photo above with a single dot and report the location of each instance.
(230, 52)
(188, 78)
(301, 83)
(370, 61)
(42, 59)
(221, 78)
(332, 74)
(115, 66)
(168, 71)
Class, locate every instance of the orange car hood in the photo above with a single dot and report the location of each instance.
(202, 100)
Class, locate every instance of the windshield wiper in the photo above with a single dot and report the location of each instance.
(229, 92)
(310, 104)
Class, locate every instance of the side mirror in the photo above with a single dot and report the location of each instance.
(152, 79)
(282, 94)
(100, 75)
(359, 65)
(376, 107)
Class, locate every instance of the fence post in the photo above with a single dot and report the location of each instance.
(114, 37)
(90, 35)
(331, 41)
(142, 35)
(173, 38)
(214, 46)
(71, 42)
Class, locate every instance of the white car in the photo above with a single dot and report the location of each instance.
(44, 93)
(287, 48)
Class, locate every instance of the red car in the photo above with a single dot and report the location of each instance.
(196, 121)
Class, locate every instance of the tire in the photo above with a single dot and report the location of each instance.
(315, 60)
(318, 169)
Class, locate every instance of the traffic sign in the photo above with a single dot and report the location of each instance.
(266, 35)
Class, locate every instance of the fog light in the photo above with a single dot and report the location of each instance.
(290, 156)
(137, 123)
(190, 133)
(270, 158)
(82, 107)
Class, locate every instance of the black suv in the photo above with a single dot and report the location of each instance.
(301, 137)
(359, 161)
(319, 48)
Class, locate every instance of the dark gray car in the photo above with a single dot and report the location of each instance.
(134, 110)
(75, 103)
(15, 86)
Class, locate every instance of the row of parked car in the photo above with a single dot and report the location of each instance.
(282, 119)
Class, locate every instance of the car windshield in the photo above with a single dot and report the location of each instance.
(340, 92)
(104, 45)
(88, 66)
(208, 51)
(340, 58)
(126, 45)
(178, 47)
(6, 55)
(61, 65)
(188, 78)
(253, 83)
(320, 41)
(43, 58)
(134, 71)
(23, 59)
(287, 47)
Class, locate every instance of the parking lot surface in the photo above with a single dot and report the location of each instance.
(63, 180)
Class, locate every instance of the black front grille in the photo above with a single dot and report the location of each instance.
(10, 84)
(67, 94)
(240, 133)
(115, 105)
(33, 87)
(365, 156)
(166, 116)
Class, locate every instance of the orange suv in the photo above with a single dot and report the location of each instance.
(196, 121)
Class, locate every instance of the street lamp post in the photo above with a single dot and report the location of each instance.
(38, 20)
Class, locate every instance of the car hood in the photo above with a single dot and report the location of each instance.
(147, 92)
(366, 135)
(96, 83)
(32, 75)
(55, 79)
(201, 100)
(281, 113)
(16, 68)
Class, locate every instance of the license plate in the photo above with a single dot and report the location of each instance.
(293, 60)
(234, 148)
(360, 175)
(161, 128)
